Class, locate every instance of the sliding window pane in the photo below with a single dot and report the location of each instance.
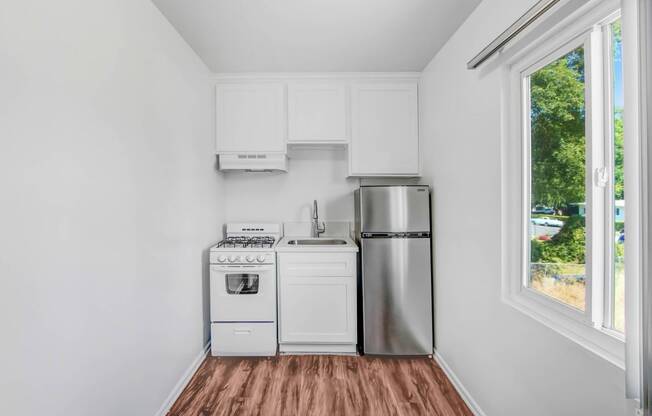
(618, 167)
(558, 189)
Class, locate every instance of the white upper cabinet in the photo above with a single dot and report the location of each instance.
(317, 112)
(251, 117)
(385, 129)
(376, 117)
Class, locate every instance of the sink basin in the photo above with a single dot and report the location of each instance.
(317, 242)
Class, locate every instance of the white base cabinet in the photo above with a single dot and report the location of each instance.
(317, 302)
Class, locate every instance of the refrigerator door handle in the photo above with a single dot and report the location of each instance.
(424, 234)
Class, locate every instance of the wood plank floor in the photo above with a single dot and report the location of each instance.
(319, 386)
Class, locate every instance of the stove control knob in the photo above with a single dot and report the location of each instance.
(234, 258)
(250, 258)
(221, 259)
(260, 259)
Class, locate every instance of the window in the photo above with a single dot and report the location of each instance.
(563, 181)
(557, 133)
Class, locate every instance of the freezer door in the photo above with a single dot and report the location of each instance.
(394, 209)
(397, 296)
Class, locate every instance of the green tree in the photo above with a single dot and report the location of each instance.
(619, 156)
(558, 131)
(567, 246)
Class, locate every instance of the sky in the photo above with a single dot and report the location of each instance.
(619, 99)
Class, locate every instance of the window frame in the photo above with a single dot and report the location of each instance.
(609, 202)
(537, 63)
(584, 28)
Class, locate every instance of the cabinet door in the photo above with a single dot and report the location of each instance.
(317, 112)
(250, 117)
(385, 134)
(317, 298)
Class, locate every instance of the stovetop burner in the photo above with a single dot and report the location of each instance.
(247, 242)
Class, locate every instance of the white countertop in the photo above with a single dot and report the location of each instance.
(283, 245)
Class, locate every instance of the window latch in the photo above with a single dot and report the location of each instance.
(601, 177)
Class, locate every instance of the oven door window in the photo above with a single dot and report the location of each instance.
(242, 283)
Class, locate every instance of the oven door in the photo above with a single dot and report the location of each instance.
(243, 293)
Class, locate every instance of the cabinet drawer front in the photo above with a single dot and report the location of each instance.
(243, 338)
(316, 264)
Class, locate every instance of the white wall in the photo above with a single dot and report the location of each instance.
(313, 173)
(287, 197)
(510, 363)
(108, 198)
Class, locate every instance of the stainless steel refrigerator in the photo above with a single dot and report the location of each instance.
(393, 229)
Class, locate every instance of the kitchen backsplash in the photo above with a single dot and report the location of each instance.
(333, 229)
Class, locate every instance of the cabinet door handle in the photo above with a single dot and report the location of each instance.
(242, 331)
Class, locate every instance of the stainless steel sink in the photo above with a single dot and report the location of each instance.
(317, 242)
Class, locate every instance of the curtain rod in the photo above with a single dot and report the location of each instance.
(517, 27)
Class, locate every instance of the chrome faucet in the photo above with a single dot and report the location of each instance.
(316, 229)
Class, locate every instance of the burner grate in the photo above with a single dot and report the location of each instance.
(247, 242)
(261, 242)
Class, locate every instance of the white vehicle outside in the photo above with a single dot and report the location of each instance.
(548, 222)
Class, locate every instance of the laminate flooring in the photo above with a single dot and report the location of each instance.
(319, 385)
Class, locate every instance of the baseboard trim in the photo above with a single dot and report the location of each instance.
(466, 396)
(183, 381)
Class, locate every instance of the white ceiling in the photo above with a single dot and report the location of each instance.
(316, 35)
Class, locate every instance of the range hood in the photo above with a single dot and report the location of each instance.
(254, 162)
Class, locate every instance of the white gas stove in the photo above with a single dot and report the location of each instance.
(243, 291)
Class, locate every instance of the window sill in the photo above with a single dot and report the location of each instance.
(605, 343)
